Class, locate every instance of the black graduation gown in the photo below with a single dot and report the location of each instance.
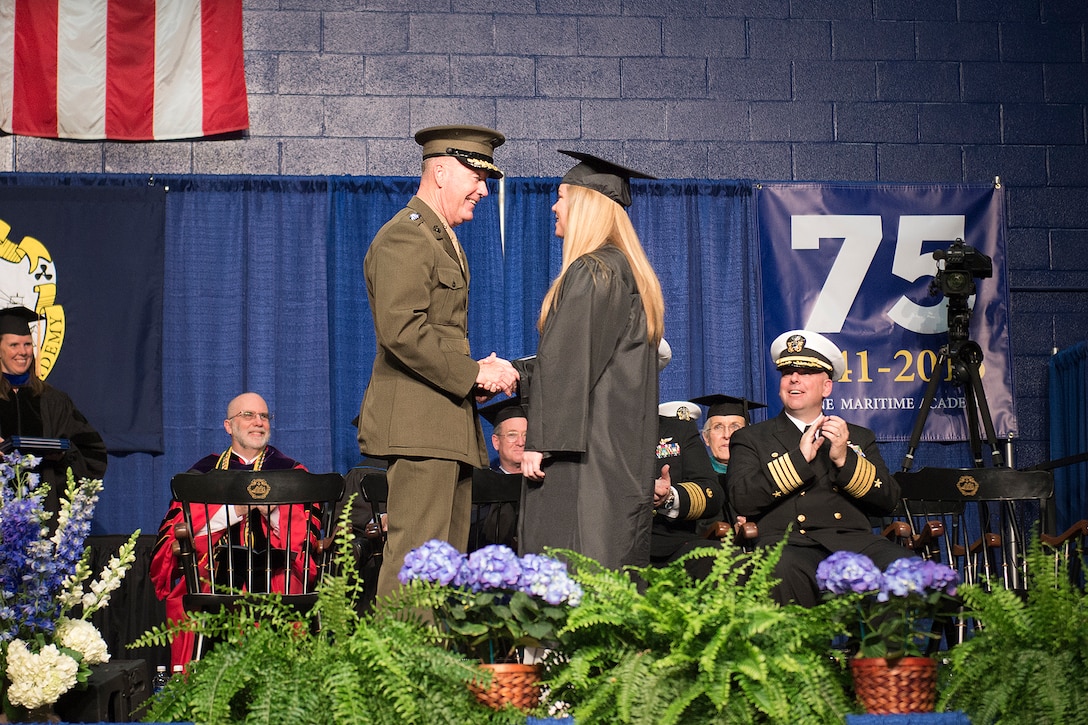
(53, 415)
(592, 408)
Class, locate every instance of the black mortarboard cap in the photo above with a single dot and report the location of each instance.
(473, 146)
(718, 404)
(612, 180)
(503, 410)
(16, 321)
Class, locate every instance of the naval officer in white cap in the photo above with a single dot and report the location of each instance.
(812, 473)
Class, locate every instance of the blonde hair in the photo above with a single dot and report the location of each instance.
(594, 220)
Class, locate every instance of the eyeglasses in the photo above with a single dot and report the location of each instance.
(250, 415)
(721, 428)
(514, 436)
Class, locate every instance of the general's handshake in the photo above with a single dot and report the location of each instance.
(496, 376)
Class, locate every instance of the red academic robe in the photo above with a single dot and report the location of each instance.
(165, 569)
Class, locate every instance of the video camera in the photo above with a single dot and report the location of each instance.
(962, 264)
(956, 280)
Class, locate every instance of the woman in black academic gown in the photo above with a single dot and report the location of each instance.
(592, 387)
(31, 408)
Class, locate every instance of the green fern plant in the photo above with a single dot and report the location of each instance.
(1028, 661)
(676, 650)
(272, 664)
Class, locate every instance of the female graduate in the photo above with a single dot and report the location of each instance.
(592, 387)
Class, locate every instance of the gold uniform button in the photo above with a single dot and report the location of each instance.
(801, 518)
(838, 515)
(802, 532)
(803, 493)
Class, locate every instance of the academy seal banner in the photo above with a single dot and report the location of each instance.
(90, 261)
(856, 263)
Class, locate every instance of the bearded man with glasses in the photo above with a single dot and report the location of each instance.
(249, 425)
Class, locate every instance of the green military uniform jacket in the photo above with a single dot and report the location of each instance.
(420, 398)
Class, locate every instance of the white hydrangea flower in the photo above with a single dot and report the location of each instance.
(83, 637)
(38, 679)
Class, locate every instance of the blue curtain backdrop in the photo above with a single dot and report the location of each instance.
(1069, 432)
(264, 291)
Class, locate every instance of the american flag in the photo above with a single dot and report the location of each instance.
(127, 70)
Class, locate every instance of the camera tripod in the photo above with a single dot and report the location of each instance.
(966, 357)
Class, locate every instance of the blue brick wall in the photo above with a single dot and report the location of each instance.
(851, 90)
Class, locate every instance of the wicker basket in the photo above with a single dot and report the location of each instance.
(516, 684)
(906, 685)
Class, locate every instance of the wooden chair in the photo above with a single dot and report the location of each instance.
(977, 520)
(1070, 551)
(742, 535)
(275, 547)
(376, 494)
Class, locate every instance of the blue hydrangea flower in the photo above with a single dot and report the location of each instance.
(492, 567)
(547, 578)
(941, 578)
(848, 571)
(435, 561)
(904, 577)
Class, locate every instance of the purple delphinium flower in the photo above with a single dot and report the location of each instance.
(547, 579)
(72, 532)
(492, 567)
(434, 561)
(31, 571)
(848, 571)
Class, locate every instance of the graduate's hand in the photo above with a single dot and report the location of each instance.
(532, 465)
(496, 375)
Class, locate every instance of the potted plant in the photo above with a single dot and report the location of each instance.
(334, 664)
(890, 617)
(1027, 657)
(489, 606)
(655, 646)
(47, 644)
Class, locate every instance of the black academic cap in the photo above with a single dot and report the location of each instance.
(16, 321)
(473, 146)
(503, 410)
(718, 404)
(612, 180)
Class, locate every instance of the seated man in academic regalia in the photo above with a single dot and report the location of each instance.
(248, 423)
(31, 408)
(498, 523)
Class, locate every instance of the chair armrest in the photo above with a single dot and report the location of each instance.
(747, 532)
(186, 556)
(718, 531)
(987, 541)
(1079, 529)
(898, 531)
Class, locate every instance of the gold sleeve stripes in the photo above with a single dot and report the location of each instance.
(784, 475)
(862, 480)
(697, 496)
